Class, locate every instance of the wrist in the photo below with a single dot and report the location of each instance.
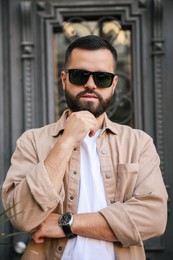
(67, 143)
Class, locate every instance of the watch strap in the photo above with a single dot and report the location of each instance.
(67, 230)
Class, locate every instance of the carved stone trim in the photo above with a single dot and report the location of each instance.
(157, 52)
(27, 56)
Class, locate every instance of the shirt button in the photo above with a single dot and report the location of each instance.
(60, 248)
(75, 172)
(103, 151)
(71, 197)
(108, 175)
(112, 201)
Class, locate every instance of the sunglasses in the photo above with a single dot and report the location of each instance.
(80, 77)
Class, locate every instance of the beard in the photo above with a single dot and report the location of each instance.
(75, 104)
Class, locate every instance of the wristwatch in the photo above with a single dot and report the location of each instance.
(65, 221)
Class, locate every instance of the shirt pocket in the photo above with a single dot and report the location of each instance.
(126, 181)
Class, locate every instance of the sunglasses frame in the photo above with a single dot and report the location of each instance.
(94, 74)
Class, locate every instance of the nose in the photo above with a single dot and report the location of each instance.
(90, 84)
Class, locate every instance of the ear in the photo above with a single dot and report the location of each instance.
(63, 79)
(115, 81)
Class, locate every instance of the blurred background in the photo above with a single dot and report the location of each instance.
(33, 38)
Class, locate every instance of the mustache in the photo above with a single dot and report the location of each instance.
(88, 91)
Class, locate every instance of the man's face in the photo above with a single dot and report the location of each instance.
(88, 96)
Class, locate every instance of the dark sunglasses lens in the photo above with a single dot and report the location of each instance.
(103, 79)
(78, 77)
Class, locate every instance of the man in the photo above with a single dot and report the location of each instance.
(85, 187)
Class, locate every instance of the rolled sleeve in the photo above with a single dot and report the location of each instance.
(27, 192)
(42, 188)
(122, 225)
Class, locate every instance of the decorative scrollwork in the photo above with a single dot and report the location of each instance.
(157, 52)
(27, 56)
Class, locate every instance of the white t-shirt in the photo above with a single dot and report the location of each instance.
(91, 199)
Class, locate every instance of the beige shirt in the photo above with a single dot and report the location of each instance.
(136, 196)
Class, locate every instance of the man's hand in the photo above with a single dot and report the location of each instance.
(49, 228)
(78, 125)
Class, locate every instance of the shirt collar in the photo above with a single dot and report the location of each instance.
(109, 125)
(60, 124)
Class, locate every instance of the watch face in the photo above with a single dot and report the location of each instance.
(65, 219)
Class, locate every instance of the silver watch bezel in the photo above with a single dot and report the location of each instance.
(69, 223)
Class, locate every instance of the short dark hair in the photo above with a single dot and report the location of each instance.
(90, 42)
